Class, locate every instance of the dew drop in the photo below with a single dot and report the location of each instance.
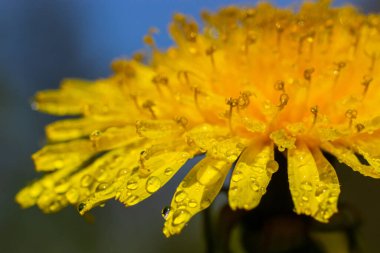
(132, 184)
(81, 206)
(165, 212)
(205, 203)
(95, 135)
(255, 186)
(168, 171)
(54, 207)
(237, 176)
(86, 181)
(208, 175)
(295, 193)
(320, 190)
(307, 186)
(305, 198)
(307, 211)
(102, 187)
(233, 189)
(272, 166)
(180, 217)
(180, 196)
(153, 184)
(122, 172)
(192, 203)
(72, 196)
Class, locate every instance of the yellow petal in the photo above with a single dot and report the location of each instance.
(114, 137)
(251, 175)
(70, 188)
(75, 152)
(158, 128)
(64, 130)
(347, 156)
(63, 155)
(196, 192)
(313, 183)
(76, 97)
(368, 147)
(327, 189)
(57, 103)
(282, 140)
(151, 173)
(204, 136)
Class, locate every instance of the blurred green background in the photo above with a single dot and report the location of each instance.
(44, 41)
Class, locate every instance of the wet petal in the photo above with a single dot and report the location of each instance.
(68, 129)
(152, 172)
(251, 175)
(154, 129)
(347, 156)
(63, 155)
(196, 192)
(70, 186)
(114, 137)
(313, 183)
(204, 136)
(327, 188)
(368, 147)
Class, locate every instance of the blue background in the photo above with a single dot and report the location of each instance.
(44, 41)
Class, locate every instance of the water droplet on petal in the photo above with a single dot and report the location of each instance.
(95, 135)
(208, 175)
(54, 206)
(132, 184)
(81, 206)
(192, 203)
(180, 196)
(153, 184)
(205, 203)
(305, 198)
(321, 190)
(86, 181)
(237, 176)
(168, 171)
(272, 166)
(307, 186)
(102, 187)
(72, 196)
(255, 186)
(180, 217)
(122, 172)
(165, 212)
(233, 189)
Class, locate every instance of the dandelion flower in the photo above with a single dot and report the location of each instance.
(250, 81)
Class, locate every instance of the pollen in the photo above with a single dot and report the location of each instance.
(246, 82)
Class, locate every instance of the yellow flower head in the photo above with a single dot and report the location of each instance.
(247, 82)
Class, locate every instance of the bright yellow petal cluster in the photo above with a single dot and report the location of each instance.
(247, 82)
